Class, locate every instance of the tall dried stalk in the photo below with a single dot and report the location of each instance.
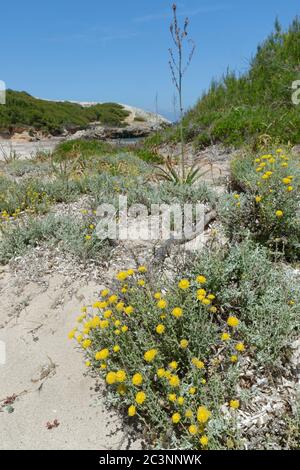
(178, 69)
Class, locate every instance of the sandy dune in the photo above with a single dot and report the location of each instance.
(46, 373)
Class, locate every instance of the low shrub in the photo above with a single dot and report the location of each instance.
(268, 207)
(72, 234)
(239, 108)
(27, 195)
(86, 148)
(171, 352)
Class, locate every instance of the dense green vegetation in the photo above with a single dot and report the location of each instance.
(97, 148)
(21, 109)
(239, 109)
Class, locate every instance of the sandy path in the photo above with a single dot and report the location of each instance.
(25, 149)
(44, 370)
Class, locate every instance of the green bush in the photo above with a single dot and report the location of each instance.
(171, 351)
(268, 208)
(21, 109)
(240, 108)
(72, 235)
(85, 148)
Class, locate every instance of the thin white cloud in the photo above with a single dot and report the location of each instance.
(166, 15)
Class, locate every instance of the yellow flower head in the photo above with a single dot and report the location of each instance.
(102, 355)
(203, 441)
(121, 376)
(172, 397)
(113, 299)
(232, 321)
(201, 293)
(104, 324)
(99, 304)
(225, 337)
(180, 401)
(120, 306)
(105, 293)
(173, 365)
(176, 418)
(160, 372)
(122, 276)
(86, 343)
(234, 358)
(162, 304)
(201, 280)
(150, 355)
(157, 295)
(88, 363)
(177, 312)
(286, 181)
(174, 381)
(160, 329)
(184, 343)
(142, 269)
(279, 214)
(116, 348)
(199, 364)
(129, 310)
(131, 410)
(95, 322)
(140, 397)
(137, 379)
(111, 378)
(240, 347)
(258, 199)
(107, 314)
(234, 404)
(192, 390)
(71, 334)
(193, 429)
(130, 272)
(203, 414)
(141, 282)
(184, 284)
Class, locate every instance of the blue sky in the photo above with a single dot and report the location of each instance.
(113, 50)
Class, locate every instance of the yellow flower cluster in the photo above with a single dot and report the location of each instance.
(272, 166)
(155, 362)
